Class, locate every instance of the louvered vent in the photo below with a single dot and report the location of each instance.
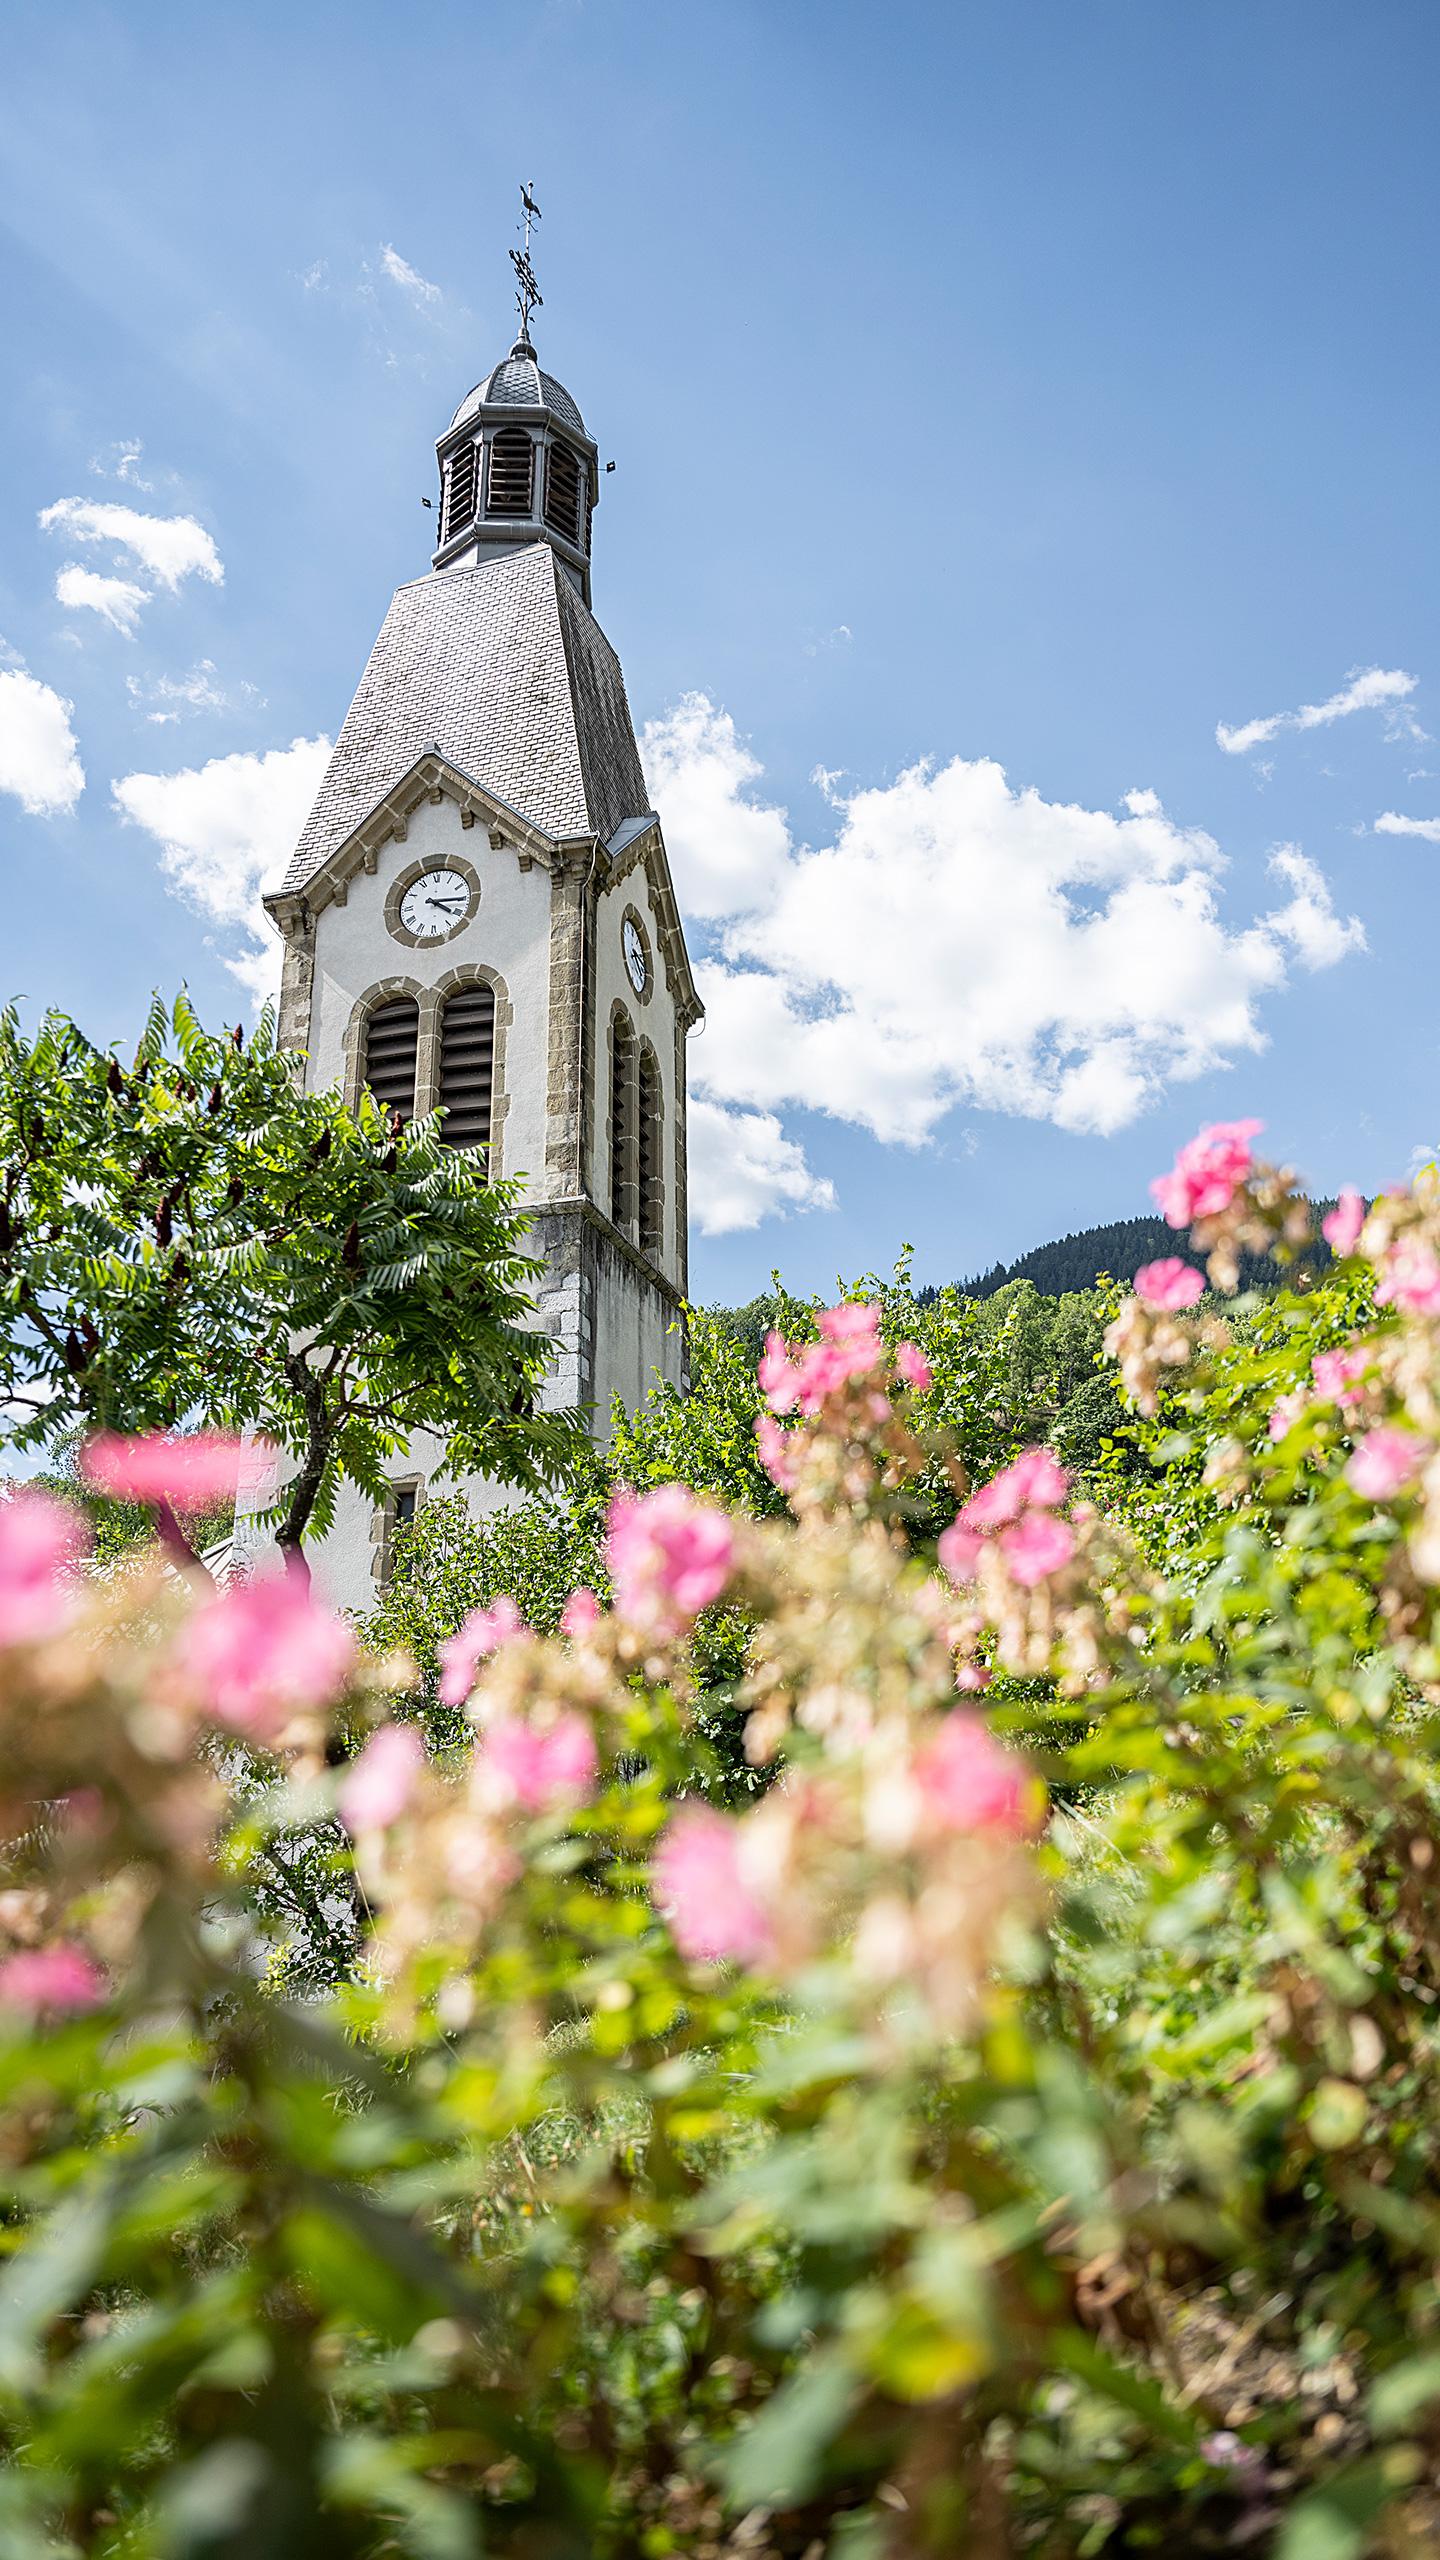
(562, 491)
(392, 1036)
(622, 1118)
(512, 474)
(467, 1067)
(460, 478)
(649, 1179)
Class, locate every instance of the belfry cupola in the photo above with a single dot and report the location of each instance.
(516, 467)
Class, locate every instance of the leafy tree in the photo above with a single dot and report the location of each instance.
(190, 1238)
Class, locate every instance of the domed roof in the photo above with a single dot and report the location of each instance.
(518, 383)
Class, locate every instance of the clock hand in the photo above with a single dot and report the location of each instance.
(450, 905)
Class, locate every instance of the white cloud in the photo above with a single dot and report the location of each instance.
(964, 942)
(226, 830)
(170, 547)
(166, 699)
(743, 1168)
(116, 599)
(400, 271)
(729, 852)
(39, 759)
(1365, 689)
(1392, 824)
(121, 462)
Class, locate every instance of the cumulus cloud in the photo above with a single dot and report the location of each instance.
(117, 600)
(729, 850)
(226, 830)
(1392, 824)
(400, 271)
(1365, 689)
(39, 760)
(743, 1168)
(964, 941)
(169, 547)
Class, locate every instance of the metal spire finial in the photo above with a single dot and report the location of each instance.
(528, 296)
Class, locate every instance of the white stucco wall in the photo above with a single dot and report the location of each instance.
(509, 932)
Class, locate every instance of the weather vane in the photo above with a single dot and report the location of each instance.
(528, 296)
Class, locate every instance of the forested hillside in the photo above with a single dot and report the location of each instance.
(1077, 1261)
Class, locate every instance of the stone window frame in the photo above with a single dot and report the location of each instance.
(623, 1141)
(407, 878)
(383, 1524)
(654, 1250)
(431, 1001)
(632, 915)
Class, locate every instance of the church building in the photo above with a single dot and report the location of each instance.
(479, 915)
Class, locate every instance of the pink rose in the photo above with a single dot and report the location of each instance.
(40, 1545)
(970, 1783)
(1385, 1461)
(669, 1556)
(1335, 1374)
(970, 1677)
(912, 1365)
(1037, 1545)
(1036, 1476)
(1207, 1172)
(700, 1891)
(1341, 1229)
(777, 1374)
(1411, 1278)
(473, 1642)
(1285, 1410)
(777, 1452)
(857, 1326)
(958, 1549)
(377, 1787)
(191, 1473)
(58, 1980)
(540, 1766)
(580, 1613)
(261, 1651)
(1170, 1284)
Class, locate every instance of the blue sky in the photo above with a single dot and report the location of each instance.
(1036, 385)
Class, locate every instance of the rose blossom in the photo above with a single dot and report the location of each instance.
(58, 1979)
(669, 1556)
(776, 1452)
(193, 1472)
(580, 1613)
(1036, 1476)
(1285, 1410)
(970, 1783)
(474, 1640)
(1038, 1544)
(542, 1765)
(1341, 1229)
(262, 1650)
(958, 1549)
(40, 1540)
(1170, 1283)
(700, 1891)
(1411, 1278)
(1207, 1172)
(378, 1786)
(1384, 1462)
(912, 1365)
(1335, 1374)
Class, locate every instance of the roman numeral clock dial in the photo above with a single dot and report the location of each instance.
(436, 905)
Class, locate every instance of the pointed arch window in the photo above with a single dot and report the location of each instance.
(392, 1044)
(461, 478)
(467, 1067)
(622, 1122)
(649, 1157)
(510, 487)
(562, 491)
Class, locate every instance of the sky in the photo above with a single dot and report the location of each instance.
(1021, 546)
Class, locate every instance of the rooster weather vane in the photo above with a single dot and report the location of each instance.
(528, 296)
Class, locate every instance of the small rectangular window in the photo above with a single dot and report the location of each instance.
(562, 491)
(511, 481)
(467, 1066)
(392, 1040)
(460, 479)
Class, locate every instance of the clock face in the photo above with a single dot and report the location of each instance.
(637, 958)
(436, 905)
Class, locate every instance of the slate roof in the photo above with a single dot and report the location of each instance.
(518, 383)
(507, 672)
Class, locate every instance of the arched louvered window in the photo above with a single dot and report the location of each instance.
(392, 1040)
(622, 1123)
(510, 486)
(467, 1066)
(649, 1179)
(461, 476)
(562, 491)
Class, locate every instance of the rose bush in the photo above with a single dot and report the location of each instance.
(954, 2146)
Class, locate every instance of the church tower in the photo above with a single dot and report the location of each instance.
(479, 915)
